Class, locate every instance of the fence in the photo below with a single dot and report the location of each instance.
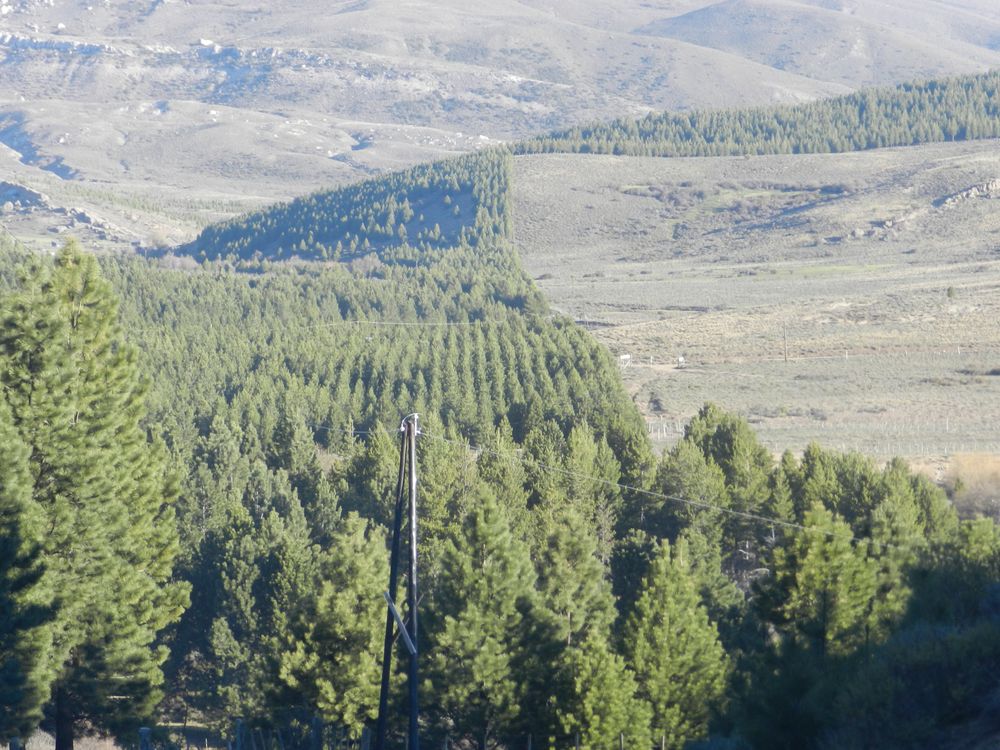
(317, 735)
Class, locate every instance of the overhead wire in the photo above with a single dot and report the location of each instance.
(557, 470)
(658, 495)
(692, 365)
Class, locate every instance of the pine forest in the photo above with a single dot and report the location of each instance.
(198, 456)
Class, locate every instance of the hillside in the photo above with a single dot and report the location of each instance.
(949, 109)
(730, 265)
(103, 106)
(429, 207)
(857, 44)
(273, 397)
(246, 387)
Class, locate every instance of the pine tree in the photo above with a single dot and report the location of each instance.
(332, 659)
(261, 565)
(574, 605)
(674, 650)
(686, 473)
(825, 600)
(572, 582)
(476, 625)
(25, 596)
(592, 487)
(602, 704)
(76, 400)
(822, 587)
(500, 469)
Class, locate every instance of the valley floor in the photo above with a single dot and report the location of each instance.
(850, 299)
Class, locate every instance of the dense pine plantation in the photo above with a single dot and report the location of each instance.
(951, 109)
(429, 207)
(227, 510)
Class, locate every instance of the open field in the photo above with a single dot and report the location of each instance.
(852, 299)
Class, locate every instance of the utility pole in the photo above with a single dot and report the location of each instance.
(406, 495)
(410, 425)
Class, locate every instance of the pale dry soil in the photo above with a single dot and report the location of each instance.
(850, 299)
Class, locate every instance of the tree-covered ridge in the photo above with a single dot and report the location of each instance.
(950, 109)
(467, 340)
(572, 584)
(397, 217)
(266, 378)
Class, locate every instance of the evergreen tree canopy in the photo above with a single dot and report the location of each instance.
(333, 655)
(950, 109)
(25, 593)
(674, 650)
(76, 401)
(476, 627)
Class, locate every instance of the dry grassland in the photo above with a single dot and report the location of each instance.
(851, 299)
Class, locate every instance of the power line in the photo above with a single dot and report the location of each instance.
(659, 495)
(627, 488)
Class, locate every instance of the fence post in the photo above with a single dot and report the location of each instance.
(238, 740)
(366, 738)
(576, 740)
(529, 741)
(15, 743)
(145, 738)
(621, 741)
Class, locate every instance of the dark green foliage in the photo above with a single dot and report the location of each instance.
(674, 649)
(25, 593)
(601, 704)
(951, 109)
(924, 683)
(773, 601)
(399, 218)
(332, 655)
(476, 628)
(301, 337)
(280, 391)
(76, 401)
(822, 589)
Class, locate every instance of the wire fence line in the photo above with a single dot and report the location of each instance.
(320, 735)
(907, 438)
(691, 363)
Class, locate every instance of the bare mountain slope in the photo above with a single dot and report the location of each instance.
(843, 42)
(364, 73)
(106, 103)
